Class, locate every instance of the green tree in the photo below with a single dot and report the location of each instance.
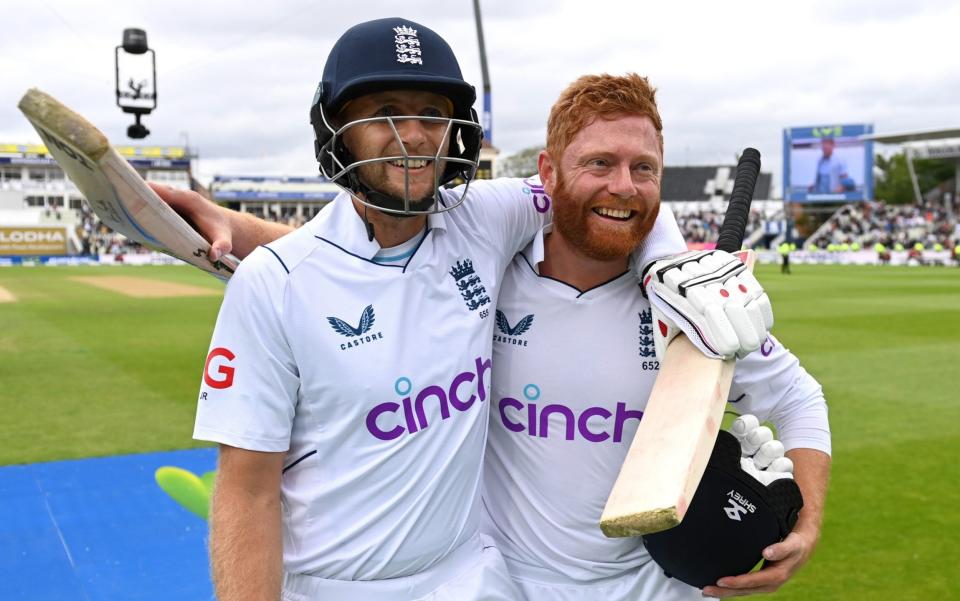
(896, 188)
(520, 164)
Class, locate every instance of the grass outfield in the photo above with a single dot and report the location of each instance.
(86, 372)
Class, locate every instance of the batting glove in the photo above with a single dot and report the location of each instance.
(761, 455)
(711, 297)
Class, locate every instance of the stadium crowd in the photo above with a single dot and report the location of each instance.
(861, 225)
(703, 226)
(97, 239)
(867, 224)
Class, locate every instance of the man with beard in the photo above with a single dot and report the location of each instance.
(575, 361)
(350, 455)
(334, 477)
(351, 438)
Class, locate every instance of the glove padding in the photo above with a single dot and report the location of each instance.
(711, 297)
(732, 518)
(761, 455)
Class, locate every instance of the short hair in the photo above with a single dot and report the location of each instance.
(604, 96)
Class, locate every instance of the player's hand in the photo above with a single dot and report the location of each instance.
(781, 562)
(203, 215)
(762, 456)
(711, 297)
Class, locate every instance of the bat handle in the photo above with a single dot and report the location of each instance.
(738, 210)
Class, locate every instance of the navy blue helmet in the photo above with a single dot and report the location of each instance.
(394, 54)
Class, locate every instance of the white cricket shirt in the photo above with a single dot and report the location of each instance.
(373, 379)
(573, 373)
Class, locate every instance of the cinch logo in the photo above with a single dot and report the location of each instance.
(766, 347)
(225, 371)
(511, 334)
(739, 506)
(534, 419)
(366, 322)
(541, 202)
(391, 420)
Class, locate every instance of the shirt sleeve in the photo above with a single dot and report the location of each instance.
(664, 239)
(250, 382)
(771, 384)
(509, 211)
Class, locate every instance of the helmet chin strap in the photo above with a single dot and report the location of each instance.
(368, 224)
(387, 201)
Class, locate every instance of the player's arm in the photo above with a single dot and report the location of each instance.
(811, 470)
(245, 527)
(226, 230)
(773, 383)
(507, 212)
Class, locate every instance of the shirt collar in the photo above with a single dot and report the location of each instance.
(347, 230)
(534, 251)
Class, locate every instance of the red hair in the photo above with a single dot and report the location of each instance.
(604, 96)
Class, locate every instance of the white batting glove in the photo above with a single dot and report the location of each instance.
(711, 297)
(761, 455)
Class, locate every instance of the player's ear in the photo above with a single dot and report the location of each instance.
(548, 171)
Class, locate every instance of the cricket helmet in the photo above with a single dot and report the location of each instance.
(731, 519)
(394, 54)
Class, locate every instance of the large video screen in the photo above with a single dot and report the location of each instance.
(827, 163)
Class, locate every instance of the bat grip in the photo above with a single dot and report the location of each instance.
(738, 210)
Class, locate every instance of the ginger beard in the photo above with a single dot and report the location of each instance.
(597, 237)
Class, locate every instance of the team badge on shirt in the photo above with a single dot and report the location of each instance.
(511, 335)
(470, 286)
(356, 333)
(647, 348)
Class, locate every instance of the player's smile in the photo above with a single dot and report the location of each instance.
(614, 214)
(390, 138)
(413, 164)
(606, 186)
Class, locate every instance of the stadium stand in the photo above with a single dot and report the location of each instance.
(871, 223)
(698, 196)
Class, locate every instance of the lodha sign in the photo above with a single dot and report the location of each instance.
(32, 240)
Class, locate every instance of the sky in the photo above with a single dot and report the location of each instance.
(235, 79)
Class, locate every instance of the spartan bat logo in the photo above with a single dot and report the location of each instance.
(341, 327)
(504, 326)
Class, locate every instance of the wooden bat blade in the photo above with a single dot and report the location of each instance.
(673, 443)
(113, 188)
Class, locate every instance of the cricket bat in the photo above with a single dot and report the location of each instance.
(115, 191)
(672, 446)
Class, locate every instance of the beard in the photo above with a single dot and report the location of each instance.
(390, 195)
(576, 222)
